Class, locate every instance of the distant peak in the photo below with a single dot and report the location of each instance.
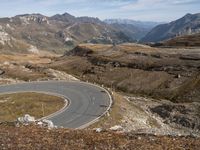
(188, 15)
(66, 14)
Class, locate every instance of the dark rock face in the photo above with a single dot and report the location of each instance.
(185, 116)
(78, 51)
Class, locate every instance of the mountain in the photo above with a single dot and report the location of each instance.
(135, 30)
(64, 17)
(56, 34)
(187, 25)
(139, 24)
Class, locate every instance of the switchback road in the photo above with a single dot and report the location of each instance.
(86, 102)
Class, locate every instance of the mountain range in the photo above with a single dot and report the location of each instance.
(187, 25)
(62, 32)
(57, 33)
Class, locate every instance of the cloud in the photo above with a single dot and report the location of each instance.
(142, 4)
(163, 10)
(180, 2)
(156, 4)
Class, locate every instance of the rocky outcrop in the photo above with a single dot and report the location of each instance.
(182, 115)
(27, 119)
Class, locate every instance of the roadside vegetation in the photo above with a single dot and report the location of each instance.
(38, 105)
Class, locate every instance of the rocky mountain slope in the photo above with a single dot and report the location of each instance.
(187, 25)
(133, 29)
(57, 33)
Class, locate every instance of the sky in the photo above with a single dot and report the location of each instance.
(143, 10)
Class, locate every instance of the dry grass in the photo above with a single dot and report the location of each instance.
(184, 41)
(23, 58)
(115, 114)
(96, 47)
(133, 68)
(17, 73)
(31, 137)
(122, 78)
(136, 47)
(38, 105)
(126, 114)
(14, 65)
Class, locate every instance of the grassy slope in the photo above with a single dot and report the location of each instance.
(16, 105)
(182, 41)
(143, 70)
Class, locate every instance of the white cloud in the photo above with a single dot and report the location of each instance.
(143, 4)
(164, 10)
(183, 1)
(155, 4)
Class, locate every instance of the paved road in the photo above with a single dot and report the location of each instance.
(86, 102)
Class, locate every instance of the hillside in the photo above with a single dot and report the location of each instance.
(183, 41)
(155, 92)
(189, 24)
(169, 76)
(139, 69)
(56, 34)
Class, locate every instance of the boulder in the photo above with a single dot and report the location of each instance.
(98, 130)
(116, 128)
(1, 72)
(26, 119)
(48, 123)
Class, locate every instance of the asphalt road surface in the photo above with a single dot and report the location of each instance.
(87, 102)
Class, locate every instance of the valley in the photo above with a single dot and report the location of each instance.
(128, 81)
